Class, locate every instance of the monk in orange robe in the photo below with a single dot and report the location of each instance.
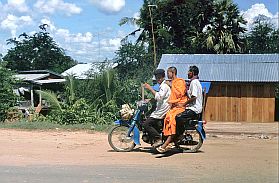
(177, 99)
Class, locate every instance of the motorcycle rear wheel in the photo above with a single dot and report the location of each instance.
(119, 140)
(191, 142)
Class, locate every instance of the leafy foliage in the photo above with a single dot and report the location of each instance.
(134, 62)
(181, 26)
(37, 52)
(7, 97)
(52, 99)
(224, 34)
(191, 26)
(78, 107)
(263, 38)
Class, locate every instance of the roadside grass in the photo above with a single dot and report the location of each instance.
(44, 125)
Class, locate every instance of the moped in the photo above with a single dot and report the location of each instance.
(125, 135)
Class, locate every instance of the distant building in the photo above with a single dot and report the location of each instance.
(83, 70)
(37, 80)
(242, 86)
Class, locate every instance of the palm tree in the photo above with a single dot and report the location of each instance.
(224, 33)
(51, 97)
(107, 82)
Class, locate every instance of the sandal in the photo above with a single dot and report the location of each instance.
(171, 146)
(161, 150)
(157, 143)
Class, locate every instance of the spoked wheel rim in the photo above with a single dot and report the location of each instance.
(191, 142)
(119, 140)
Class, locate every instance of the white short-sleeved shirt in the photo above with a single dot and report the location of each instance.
(195, 89)
(162, 98)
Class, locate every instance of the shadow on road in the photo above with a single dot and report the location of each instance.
(151, 150)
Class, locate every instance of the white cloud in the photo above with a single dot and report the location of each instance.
(51, 6)
(275, 20)
(110, 45)
(136, 15)
(3, 49)
(109, 6)
(74, 38)
(32, 33)
(95, 50)
(12, 23)
(255, 11)
(13, 7)
(26, 19)
(65, 34)
(92, 51)
(18, 5)
(115, 43)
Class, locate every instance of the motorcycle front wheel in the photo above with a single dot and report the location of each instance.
(119, 140)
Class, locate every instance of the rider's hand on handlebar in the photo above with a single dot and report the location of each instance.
(147, 86)
(147, 100)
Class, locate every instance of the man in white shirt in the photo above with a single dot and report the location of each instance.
(194, 104)
(162, 107)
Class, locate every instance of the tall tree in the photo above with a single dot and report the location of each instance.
(191, 26)
(134, 62)
(263, 38)
(175, 23)
(224, 34)
(37, 52)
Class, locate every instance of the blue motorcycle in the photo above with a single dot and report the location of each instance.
(126, 134)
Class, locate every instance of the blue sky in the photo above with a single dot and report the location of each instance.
(88, 29)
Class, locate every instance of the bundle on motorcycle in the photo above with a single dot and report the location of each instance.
(126, 134)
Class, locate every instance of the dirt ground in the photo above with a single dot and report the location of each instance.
(225, 158)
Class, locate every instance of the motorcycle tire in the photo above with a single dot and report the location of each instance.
(118, 139)
(191, 142)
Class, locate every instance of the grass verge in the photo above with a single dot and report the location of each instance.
(35, 125)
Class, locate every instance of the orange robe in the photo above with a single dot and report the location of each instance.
(178, 95)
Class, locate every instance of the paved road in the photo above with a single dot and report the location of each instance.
(80, 157)
(132, 173)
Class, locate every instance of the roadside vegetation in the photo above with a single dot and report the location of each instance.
(208, 26)
(46, 125)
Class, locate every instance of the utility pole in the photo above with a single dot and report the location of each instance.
(98, 35)
(99, 45)
(152, 30)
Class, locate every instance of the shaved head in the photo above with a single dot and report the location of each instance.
(173, 70)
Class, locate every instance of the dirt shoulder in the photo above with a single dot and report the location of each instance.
(237, 128)
(227, 158)
(224, 157)
(87, 148)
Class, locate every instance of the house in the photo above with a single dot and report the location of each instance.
(37, 80)
(242, 86)
(83, 70)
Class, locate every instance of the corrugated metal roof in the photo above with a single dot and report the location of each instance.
(31, 77)
(81, 71)
(40, 72)
(226, 67)
(49, 81)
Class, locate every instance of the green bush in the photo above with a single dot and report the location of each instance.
(96, 100)
(77, 113)
(7, 96)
